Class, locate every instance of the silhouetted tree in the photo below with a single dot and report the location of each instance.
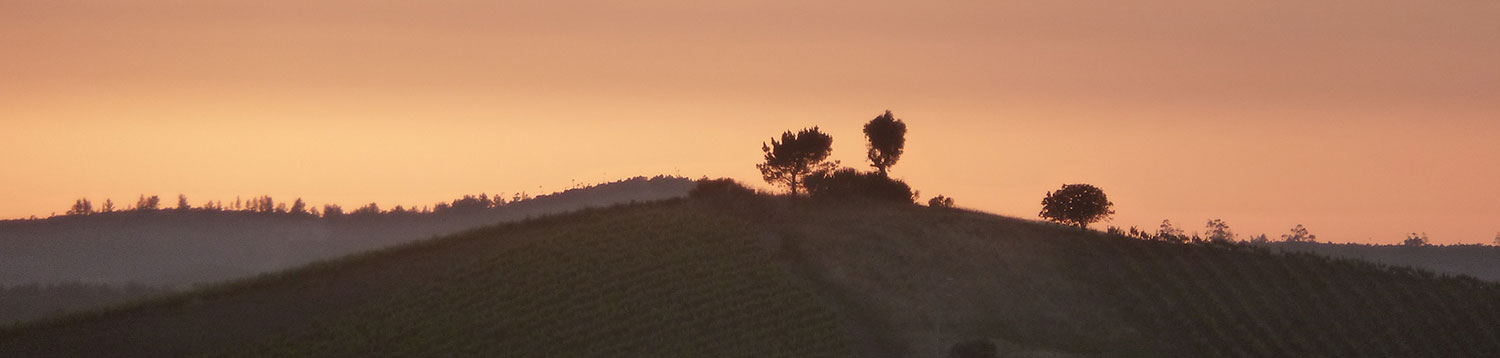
(147, 203)
(367, 210)
(847, 183)
(299, 207)
(1218, 231)
(261, 204)
(182, 203)
(108, 207)
(1170, 233)
(1299, 234)
(1076, 204)
(1497, 239)
(81, 207)
(1259, 239)
(887, 140)
(796, 156)
(981, 348)
(332, 211)
(469, 203)
(1415, 240)
(1138, 233)
(940, 202)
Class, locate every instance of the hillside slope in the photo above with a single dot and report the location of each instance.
(766, 277)
(639, 281)
(934, 278)
(79, 262)
(1480, 261)
(171, 248)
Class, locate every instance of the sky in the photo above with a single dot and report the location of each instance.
(1363, 120)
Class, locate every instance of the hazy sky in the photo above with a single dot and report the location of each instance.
(1363, 120)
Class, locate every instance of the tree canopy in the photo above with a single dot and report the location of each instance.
(790, 160)
(887, 140)
(1076, 204)
(1299, 234)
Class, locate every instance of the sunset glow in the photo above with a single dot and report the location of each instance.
(1362, 123)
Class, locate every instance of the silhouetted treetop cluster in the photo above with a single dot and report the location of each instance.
(265, 204)
(799, 162)
(794, 157)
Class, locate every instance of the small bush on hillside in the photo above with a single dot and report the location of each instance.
(1170, 233)
(940, 202)
(1415, 240)
(845, 184)
(720, 188)
(980, 348)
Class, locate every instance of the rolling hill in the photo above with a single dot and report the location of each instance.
(762, 276)
(68, 263)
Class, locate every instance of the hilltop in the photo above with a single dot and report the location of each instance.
(759, 276)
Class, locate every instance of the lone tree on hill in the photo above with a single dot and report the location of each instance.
(792, 159)
(1077, 204)
(887, 136)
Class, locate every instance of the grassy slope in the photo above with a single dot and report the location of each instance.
(765, 278)
(936, 277)
(645, 281)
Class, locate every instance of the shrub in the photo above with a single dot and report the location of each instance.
(846, 184)
(1415, 240)
(721, 188)
(940, 202)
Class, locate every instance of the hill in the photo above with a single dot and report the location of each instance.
(73, 262)
(762, 276)
(1480, 261)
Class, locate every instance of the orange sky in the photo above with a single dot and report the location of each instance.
(1362, 120)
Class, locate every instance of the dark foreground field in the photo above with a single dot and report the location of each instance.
(765, 277)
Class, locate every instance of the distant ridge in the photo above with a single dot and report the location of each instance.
(72, 262)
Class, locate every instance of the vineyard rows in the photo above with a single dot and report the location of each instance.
(671, 284)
